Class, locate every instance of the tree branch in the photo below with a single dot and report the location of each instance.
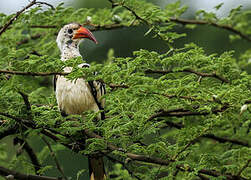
(136, 157)
(26, 40)
(214, 75)
(183, 112)
(129, 9)
(55, 158)
(123, 164)
(8, 132)
(20, 176)
(248, 102)
(19, 120)
(176, 20)
(114, 86)
(159, 161)
(45, 3)
(213, 173)
(132, 156)
(185, 21)
(30, 153)
(224, 140)
(221, 26)
(244, 167)
(32, 73)
(212, 136)
(4, 28)
(26, 100)
(181, 151)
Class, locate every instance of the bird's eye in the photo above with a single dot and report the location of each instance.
(70, 31)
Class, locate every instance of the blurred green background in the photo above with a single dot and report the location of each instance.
(124, 42)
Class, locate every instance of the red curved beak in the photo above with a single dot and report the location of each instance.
(84, 33)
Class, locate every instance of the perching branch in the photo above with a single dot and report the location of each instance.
(6, 172)
(214, 75)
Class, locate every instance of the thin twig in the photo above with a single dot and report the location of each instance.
(26, 40)
(244, 167)
(32, 73)
(224, 140)
(31, 154)
(213, 173)
(180, 112)
(113, 85)
(185, 148)
(4, 28)
(44, 26)
(45, 3)
(183, 21)
(123, 164)
(6, 172)
(19, 120)
(211, 136)
(151, 26)
(55, 158)
(214, 75)
(221, 26)
(203, 177)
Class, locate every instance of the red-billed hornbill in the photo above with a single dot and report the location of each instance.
(76, 97)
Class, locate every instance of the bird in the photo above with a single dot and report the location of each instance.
(76, 97)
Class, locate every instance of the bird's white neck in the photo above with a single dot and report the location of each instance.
(70, 50)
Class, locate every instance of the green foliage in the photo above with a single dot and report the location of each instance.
(213, 87)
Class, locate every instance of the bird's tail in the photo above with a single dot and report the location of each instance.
(96, 168)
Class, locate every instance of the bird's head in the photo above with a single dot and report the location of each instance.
(72, 34)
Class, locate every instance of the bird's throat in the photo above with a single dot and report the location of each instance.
(70, 50)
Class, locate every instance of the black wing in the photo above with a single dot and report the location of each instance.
(55, 82)
(97, 89)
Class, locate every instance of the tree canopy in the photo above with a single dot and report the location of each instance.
(178, 114)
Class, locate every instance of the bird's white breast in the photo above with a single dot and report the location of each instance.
(74, 97)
